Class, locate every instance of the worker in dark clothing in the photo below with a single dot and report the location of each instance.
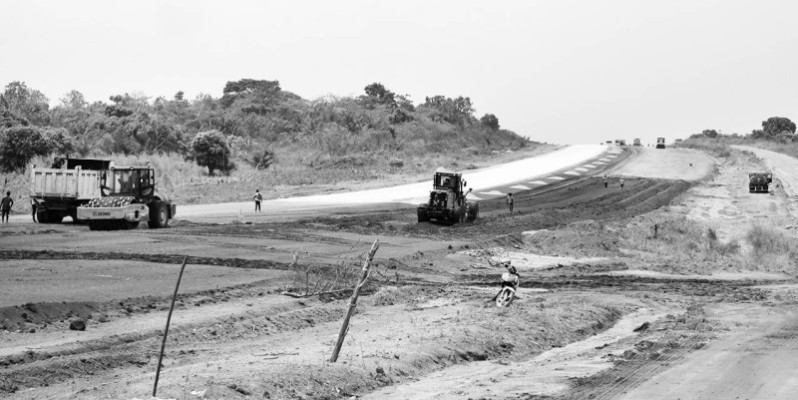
(510, 202)
(621, 182)
(5, 207)
(258, 199)
(606, 181)
(33, 206)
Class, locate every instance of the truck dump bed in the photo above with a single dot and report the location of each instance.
(78, 184)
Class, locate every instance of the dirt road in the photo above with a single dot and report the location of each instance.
(623, 291)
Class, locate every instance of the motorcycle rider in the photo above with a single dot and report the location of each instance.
(510, 278)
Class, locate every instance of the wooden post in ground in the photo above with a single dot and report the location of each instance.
(364, 274)
(166, 330)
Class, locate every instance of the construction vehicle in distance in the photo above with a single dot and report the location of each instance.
(636, 142)
(69, 184)
(758, 182)
(660, 142)
(447, 201)
(621, 142)
(128, 198)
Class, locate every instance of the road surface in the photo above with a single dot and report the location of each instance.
(486, 183)
(757, 361)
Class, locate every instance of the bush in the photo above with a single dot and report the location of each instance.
(767, 240)
(210, 149)
(263, 159)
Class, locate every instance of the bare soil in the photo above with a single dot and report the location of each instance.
(605, 307)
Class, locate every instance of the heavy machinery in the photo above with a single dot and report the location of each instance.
(128, 198)
(636, 142)
(758, 182)
(69, 184)
(447, 201)
(660, 142)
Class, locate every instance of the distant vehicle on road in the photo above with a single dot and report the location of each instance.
(677, 142)
(758, 182)
(636, 142)
(660, 142)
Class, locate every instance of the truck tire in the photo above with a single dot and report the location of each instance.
(159, 215)
(472, 211)
(49, 217)
(423, 216)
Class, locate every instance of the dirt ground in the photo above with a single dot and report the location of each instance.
(623, 291)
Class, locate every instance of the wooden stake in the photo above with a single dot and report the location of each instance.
(364, 274)
(166, 330)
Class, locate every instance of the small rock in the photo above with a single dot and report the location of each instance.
(77, 325)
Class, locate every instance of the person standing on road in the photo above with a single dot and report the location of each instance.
(5, 207)
(510, 202)
(33, 206)
(258, 199)
(606, 181)
(621, 182)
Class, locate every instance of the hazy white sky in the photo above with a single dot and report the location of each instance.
(556, 71)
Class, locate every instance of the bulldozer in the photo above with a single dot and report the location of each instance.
(758, 182)
(447, 201)
(127, 198)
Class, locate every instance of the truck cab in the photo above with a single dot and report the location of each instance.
(660, 142)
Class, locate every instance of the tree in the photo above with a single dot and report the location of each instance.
(456, 111)
(490, 121)
(251, 95)
(74, 99)
(19, 144)
(210, 149)
(377, 93)
(710, 133)
(26, 103)
(776, 125)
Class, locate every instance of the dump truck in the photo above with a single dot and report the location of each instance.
(758, 182)
(660, 142)
(70, 183)
(636, 142)
(128, 197)
(447, 201)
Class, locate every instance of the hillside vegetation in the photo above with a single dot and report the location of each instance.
(255, 134)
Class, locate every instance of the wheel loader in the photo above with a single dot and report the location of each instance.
(447, 201)
(758, 182)
(128, 198)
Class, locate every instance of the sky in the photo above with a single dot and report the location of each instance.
(556, 71)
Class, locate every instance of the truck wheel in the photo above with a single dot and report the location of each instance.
(473, 212)
(49, 217)
(422, 214)
(159, 215)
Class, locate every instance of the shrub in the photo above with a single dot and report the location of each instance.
(210, 149)
(767, 240)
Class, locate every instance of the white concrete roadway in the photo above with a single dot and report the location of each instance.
(522, 174)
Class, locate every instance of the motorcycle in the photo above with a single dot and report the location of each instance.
(510, 282)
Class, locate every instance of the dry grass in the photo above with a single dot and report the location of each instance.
(679, 238)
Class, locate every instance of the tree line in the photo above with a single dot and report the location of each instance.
(252, 122)
(779, 129)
